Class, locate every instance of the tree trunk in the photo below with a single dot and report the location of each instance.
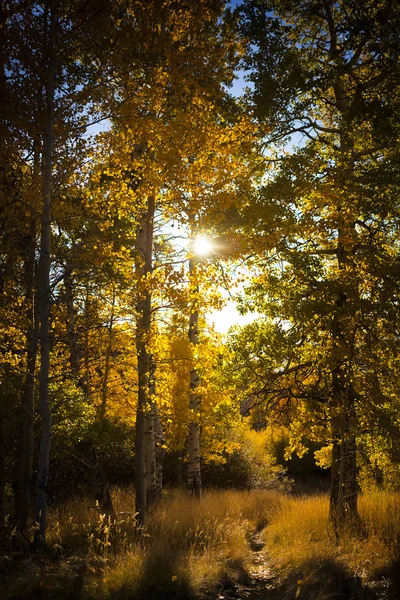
(2, 467)
(153, 458)
(150, 458)
(44, 289)
(4, 107)
(160, 452)
(343, 510)
(144, 267)
(343, 498)
(194, 467)
(25, 458)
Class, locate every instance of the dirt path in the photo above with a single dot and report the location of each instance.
(259, 582)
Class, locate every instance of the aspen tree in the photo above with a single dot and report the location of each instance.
(164, 147)
(193, 469)
(153, 459)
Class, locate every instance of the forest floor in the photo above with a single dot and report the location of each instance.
(231, 545)
(258, 581)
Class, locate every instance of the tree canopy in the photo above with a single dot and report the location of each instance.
(121, 141)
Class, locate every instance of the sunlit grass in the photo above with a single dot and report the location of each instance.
(302, 547)
(186, 546)
(190, 547)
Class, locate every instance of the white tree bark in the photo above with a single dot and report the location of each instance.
(159, 448)
(150, 439)
(150, 458)
(194, 466)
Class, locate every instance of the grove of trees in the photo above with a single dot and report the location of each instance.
(122, 142)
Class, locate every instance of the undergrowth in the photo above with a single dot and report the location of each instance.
(190, 548)
(312, 564)
(187, 547)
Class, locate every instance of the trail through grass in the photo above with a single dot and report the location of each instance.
(229, 544)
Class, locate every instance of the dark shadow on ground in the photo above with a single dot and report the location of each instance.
(40, 577)
(388, 580)
(324, 579)
(316, 580)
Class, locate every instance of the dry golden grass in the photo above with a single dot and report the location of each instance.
(299, 530)
(190, 546)
(303, 549)
(186, 546)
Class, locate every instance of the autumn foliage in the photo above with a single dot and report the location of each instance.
(124, 139)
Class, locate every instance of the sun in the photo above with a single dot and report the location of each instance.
(202, 246)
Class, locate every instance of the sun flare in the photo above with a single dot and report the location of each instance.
(202, 245)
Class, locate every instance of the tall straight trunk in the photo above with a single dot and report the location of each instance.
(194, 467)
(150, 439)
(343, 509)
(150, 458)
(25, 454)
(144, 268)
(104, 386)
(343, 497)
(160, 452)
(44, 288)
(2, 466)
(154, 455)
(4, 133)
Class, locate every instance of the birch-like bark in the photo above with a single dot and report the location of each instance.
(194, 467)
(44, 287)
(150, 458)
(150, 439)
(144, 268)
(154, 442)
(160, 452)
